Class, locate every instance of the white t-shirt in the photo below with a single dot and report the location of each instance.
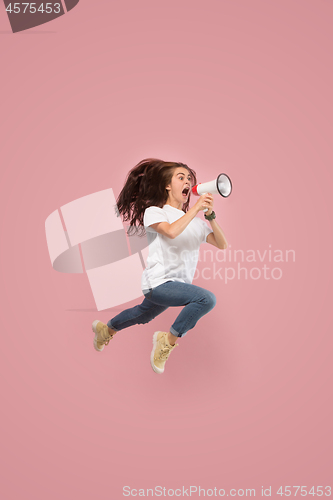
(171, 259)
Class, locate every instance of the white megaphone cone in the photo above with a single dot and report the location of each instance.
(222, 186)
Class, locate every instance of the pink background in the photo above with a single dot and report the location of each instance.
(240, 86)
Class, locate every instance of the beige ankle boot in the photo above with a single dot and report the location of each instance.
(102, 335)
(161, 351)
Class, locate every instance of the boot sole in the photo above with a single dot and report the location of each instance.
(156, 370)
(93, 327)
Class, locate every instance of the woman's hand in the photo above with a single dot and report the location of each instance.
(205, 201)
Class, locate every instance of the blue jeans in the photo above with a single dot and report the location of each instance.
(197, 302)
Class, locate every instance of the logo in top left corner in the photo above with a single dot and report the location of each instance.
(25, 15)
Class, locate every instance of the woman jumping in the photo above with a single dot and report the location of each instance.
(155, 198)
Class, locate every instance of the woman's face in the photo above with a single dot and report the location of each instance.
(179, 188)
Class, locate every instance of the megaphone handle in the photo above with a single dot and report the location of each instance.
(205, 209)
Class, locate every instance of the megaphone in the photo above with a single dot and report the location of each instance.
(222, 185)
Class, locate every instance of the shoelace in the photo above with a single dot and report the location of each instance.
(107, 340)
(165, 351)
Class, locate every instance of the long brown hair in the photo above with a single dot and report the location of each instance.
(145, 186)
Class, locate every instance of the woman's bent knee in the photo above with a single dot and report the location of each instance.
(211, 300)
(208, 299)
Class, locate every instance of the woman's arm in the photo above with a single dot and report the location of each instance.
(217, 237)
(176, 228)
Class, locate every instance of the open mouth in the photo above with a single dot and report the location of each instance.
(185, 191)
